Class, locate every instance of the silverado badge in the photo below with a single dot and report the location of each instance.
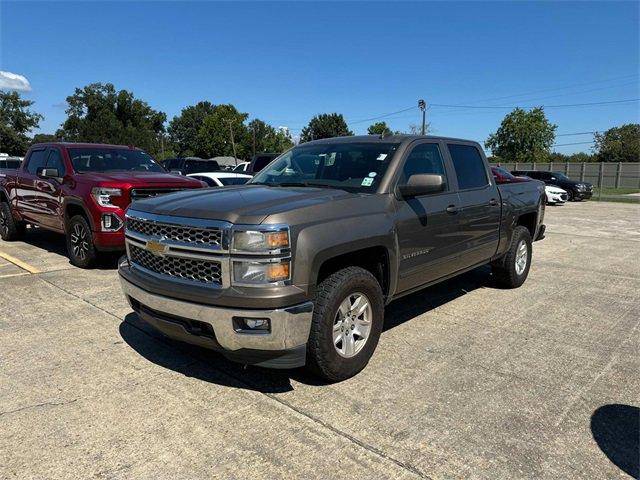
(156, 247)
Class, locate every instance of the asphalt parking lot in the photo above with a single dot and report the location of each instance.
(468, 381)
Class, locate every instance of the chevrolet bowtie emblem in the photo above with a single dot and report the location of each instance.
(156, 247)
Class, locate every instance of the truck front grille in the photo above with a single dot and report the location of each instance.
(204, 271)
(140, 193)
(178, 233)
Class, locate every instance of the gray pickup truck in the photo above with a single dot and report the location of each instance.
(296, 267)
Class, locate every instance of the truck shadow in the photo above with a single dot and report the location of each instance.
(212, 367)
(55, 243)
(616, 430)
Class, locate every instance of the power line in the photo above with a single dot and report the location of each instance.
(574, 134)
(555, 89)
(576, 143)
(535, 106)
(384, 115)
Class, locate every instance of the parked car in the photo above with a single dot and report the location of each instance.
(575, 190)
(259, 161)
(296, 266)
(221, 179)
(242, 167)
(502, 176)
(81, 190)
(186, 166)
(10, 163)
(555, 195)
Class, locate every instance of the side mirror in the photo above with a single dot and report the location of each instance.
(422, 184)
(49, 173)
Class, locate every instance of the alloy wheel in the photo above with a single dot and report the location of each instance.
(522, 256)
(79, 241)
(352, 325)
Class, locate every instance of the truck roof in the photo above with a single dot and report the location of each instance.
(380, 139)
(85, 145)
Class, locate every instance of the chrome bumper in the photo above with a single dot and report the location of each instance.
(289, 326)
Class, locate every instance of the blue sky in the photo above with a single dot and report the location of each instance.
(285, 62)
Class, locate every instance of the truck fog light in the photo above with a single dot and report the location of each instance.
(251, 325)
(111, 222)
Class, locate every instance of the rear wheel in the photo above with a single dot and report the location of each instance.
(513, 268)
(10, 229)
(347, 322)
(80, 248)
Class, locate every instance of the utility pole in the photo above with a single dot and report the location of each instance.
(253, 130)
(233, 144)
(423, 106)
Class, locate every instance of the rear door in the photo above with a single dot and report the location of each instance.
(50, 191)
(480, 209)
(28, 196)
(428, 226)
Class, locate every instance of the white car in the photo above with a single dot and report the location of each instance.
(242, 167)
(221, 179)
(555, 195)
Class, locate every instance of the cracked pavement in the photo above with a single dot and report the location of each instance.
(467, 381)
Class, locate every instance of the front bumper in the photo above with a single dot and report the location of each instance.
(213, 327)
(583, 194)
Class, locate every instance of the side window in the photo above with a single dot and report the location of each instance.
(424, 158)
(55, 161)
(37, 160)
(469, 166)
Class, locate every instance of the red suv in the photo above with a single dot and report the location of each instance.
(81, 190)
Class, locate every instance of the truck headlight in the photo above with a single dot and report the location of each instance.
(103, 195)
(260, 241)
(257, 273)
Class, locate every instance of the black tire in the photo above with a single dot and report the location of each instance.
(505, 270)
(10, 229)
(570, 196)
(322, 355)
(80, 248)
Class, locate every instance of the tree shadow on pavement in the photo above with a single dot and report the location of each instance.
(616, 430)
(211, 366)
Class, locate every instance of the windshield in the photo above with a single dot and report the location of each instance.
(560, 176)
(112, 160)
(357, 167)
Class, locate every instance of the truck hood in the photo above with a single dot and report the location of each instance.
(138, 179)
(249, 204)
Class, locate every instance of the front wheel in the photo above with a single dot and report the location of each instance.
(80, 248)
(513, 268)
(348, 316)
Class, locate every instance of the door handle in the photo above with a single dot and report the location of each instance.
(452, 209)
(493, 202)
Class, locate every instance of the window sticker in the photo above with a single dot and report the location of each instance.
(367, 182)
(381, 157)
(372, 174)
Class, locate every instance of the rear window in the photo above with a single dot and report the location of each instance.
(233, 181)
(112, 160)
(199, 166)
(469, 166)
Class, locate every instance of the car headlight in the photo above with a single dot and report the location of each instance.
(103, 195)
(257, 273)
(260, 241)
(581, 186)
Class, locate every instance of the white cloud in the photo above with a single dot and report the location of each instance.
(13, 81)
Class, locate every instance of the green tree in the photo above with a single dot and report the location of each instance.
(267, 138)
(214, 137)
(523, 137)
(183, 129)
(325, 125)
(16, 120)
(379, 128)
(43, 138)
(619, 144)
(99, 113)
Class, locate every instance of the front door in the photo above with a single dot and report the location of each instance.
(428, 226)
(49, 191)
